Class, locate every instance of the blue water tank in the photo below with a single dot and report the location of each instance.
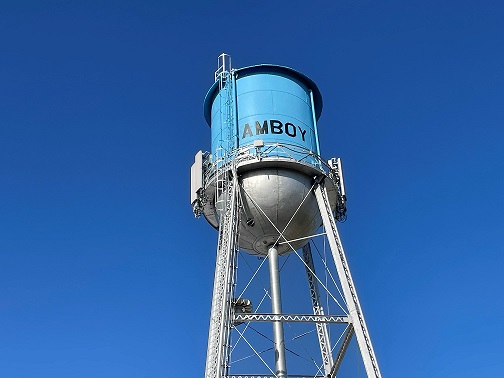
(264, 118)
(272, 103)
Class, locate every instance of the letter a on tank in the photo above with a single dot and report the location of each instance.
(247, 131)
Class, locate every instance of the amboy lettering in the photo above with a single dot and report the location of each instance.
(273, 126)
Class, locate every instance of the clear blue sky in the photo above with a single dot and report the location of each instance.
(104, 272)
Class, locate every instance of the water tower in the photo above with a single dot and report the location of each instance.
(270, 195)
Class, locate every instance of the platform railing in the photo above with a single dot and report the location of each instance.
(284, 151)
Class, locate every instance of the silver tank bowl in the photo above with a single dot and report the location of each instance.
(270, 197)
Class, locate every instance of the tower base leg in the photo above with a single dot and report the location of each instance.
(347, 284)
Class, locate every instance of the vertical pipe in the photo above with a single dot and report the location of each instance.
(276, 307)
(235, 118)
(314, 123)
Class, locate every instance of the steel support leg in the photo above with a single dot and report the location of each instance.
(276, 307)
(220, 317)
(323, 335)
(359, 325)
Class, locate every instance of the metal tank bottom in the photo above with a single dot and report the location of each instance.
(278, 204)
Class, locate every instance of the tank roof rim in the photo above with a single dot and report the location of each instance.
(317, 96)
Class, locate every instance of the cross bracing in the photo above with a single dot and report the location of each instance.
(316, 342)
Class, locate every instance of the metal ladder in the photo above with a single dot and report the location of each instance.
(227, 144)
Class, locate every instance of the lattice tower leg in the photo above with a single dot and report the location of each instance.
(323, 335)
(356, 315)
(221, 313)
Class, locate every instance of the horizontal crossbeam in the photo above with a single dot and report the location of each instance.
(292, 318)
(272, 376)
